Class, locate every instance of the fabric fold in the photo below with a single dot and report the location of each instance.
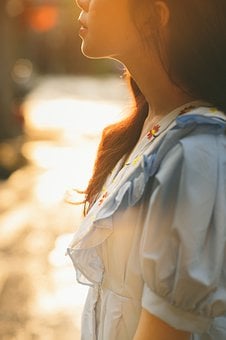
(97, 225)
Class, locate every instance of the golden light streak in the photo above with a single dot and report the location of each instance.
(70, 117)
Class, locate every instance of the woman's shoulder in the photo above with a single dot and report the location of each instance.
(200, 152)
(196, 134)
(197, 147)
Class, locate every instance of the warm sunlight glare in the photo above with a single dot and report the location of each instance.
(70, 117)
(64, 133)
(63, 167)
(63, 129)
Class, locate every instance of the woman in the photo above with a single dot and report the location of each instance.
(152, 243)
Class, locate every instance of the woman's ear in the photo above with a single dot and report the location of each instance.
(163, 12)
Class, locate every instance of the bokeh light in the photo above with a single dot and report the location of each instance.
(42, 18)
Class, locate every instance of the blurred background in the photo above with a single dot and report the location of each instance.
(54, 104)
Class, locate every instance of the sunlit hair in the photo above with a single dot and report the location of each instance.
(117, 140)
(195, 59)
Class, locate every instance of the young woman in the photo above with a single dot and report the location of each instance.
(152, 245)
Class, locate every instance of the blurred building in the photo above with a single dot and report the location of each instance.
(8, 127)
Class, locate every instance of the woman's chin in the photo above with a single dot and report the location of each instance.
(87, 52)
(91, 51)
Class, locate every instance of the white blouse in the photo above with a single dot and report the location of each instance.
(156, 236)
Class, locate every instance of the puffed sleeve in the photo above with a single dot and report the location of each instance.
(183, 244)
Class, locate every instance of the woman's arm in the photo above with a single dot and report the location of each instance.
(152, 328)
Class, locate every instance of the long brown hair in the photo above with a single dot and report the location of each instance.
(196, 62)
(117, 140)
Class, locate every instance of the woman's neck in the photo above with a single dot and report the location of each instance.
(161, 94)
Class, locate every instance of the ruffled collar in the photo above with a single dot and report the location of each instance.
(150, 141)
(129, 181)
